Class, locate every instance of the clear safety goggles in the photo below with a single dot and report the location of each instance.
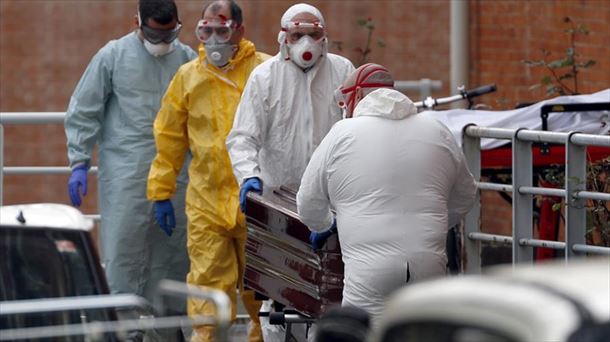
(297, 30)
(222, 30)
(156, 36)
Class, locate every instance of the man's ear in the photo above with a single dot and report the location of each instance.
(241, 31)
(136, 22)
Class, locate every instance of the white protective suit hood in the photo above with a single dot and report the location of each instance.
(387, 103)
(285, 21)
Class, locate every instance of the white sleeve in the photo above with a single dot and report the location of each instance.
(463, 193)
(246, 138)
(313, 202)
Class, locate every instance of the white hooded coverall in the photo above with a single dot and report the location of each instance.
(397, 181)
(283, 115)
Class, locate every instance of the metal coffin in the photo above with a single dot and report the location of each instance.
(280, 262)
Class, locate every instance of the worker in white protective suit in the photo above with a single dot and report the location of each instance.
(287, 106)
(396, 180)
(286, 109)
(114, 106)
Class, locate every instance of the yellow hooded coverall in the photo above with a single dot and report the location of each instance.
(197, 114)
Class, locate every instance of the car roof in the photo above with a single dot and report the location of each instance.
(525, 303)
(48, 215)
(585, 280)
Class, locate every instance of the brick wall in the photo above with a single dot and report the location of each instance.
(46, 45)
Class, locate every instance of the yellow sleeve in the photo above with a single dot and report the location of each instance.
(261, 57)
(171, 139)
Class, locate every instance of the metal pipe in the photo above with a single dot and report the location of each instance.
(600, 196)
(580, 248)
(32, 306)
(1, 162)
(532, 190)
(542, 136)
(575, 181)
(508, 240)
(296, 318)
(486, 132)
(98, 328)
(31, 118)
(220, 299)
(542, 243)
(522, 203)
(472, 151)
(34, 170)
(459, 45)
(494, 186)
(590, 139)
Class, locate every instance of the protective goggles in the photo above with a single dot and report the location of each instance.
(156, 36)
(222, 30)
(297, 30)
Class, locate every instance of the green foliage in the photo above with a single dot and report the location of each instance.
(565, 69)
(598, 180)
(362, 53)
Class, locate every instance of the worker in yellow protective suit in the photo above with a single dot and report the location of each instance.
(197, 114)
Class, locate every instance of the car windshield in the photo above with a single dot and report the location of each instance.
(38, 263)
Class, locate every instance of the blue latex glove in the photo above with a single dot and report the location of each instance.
(250, 184)
(78, 179)
(164, 214)
(317, 240)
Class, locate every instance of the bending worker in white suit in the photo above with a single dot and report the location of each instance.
(397, 182)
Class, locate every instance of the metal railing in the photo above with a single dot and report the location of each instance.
(523, 191)
(522, 179)
(31, 118)
(94, 330)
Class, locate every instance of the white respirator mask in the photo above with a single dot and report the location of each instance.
(306, 51)
(160, 49)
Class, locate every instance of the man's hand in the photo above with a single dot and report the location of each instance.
(317, 240)
(78, 180)
(250, 184)
(165, 217)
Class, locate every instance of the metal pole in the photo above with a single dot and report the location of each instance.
(31, 118)
(1, 163)
(522, 202)
(459, 35)
(472, 151)
(220, 299)
(575, 180)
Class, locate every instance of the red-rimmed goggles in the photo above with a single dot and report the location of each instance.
(221, 29)
(297, 30)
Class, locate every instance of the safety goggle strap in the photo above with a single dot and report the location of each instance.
(359, 84)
